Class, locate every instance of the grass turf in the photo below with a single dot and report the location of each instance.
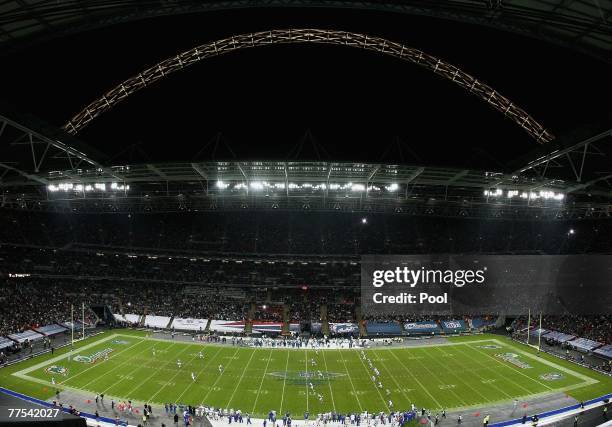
(464, 373)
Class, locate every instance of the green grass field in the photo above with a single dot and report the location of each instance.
(469, 371)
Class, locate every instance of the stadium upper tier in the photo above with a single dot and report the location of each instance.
(291, 233)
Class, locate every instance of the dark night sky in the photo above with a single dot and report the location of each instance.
(354, 102)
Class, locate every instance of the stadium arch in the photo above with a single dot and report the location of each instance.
(313, 36)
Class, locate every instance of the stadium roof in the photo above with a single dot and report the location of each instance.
(582, 25)
(562, 184)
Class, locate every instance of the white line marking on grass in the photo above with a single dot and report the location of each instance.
(329, 381)
(375, 386)
(155, 372)
(438, 378)
(417, 380)
(241, 377)
(496, 374)
(95, 365)
(62, 356)
(179, 371)
(552, 364)
(459, 378)
(116, 367)
(284, 382)
(508, 366)
(200, 372)
(220, 375)
(351, 380)
(263, 377)
(394, 380)
(307, 381)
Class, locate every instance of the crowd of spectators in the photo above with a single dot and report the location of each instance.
(596, 327)
(170, 267)
(37, 302)
(305, 233)
(183, 264)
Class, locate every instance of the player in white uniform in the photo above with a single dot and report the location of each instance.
(193, 377)
(201, 355)
(178, 363)
(53, 380)
(220, 369)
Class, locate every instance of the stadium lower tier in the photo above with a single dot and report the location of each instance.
(457, 374)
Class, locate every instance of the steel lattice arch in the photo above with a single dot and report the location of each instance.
(315, 36)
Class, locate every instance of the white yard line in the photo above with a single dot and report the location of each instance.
(549, 363)
(171, 378)
(437, 378)
(120, 364)
(511, 367)
(95, 365)
(417, 380)
(155, 372)
(329, 382)
(351, 380)
(241, 377)
(496, 374)
(284, 382)
(63, 356)
(219, 377)
(375, 386)
(394, 380)
(452, 372)
(200, 372)
(307, 380)
(263, 377)
(586, 379)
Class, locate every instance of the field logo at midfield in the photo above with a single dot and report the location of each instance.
(513, 358)
(121, 342)
(303, 377)
(490, 346)
(56, 370)
(552, 376)
(93, 357)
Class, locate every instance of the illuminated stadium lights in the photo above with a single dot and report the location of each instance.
(119, 187)
(532, 195)
(265, 185)
(80, 188)
(493, 193)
